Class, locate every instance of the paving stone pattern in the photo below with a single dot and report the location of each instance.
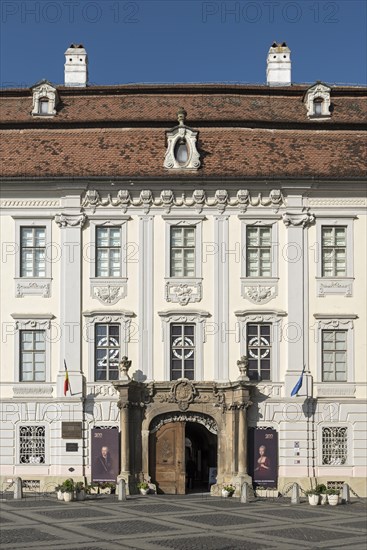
(191, 522)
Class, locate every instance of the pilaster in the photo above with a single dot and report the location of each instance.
(221, 298)
(146, 227)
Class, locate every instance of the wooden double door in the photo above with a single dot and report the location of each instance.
(167, 458)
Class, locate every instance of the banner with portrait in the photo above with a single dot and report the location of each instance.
(105, 456)
(264, 457)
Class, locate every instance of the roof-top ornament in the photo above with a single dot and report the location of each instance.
(181, 116)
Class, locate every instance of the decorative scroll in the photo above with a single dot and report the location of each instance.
(199, 418)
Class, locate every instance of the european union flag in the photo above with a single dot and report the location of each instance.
(298, 386)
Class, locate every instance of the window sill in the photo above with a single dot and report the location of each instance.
(334, 285)
(335, 389)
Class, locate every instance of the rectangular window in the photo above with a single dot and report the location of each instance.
(258, 251)
(259, 351)
(32, 443)
(334, 445)
(182, 252)
(33, 252)
(334, 251)
(108, 253)
(182, 351)
(32, 356)
(107, 351)
(334, 355)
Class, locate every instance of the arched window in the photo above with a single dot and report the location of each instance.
(181, 152)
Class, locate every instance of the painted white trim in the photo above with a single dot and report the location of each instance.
(146, 296)
(198, 318)
(273, 317)
(335, 285)
(36, 286)
(120, 317)
(335, 322)
(221, 297)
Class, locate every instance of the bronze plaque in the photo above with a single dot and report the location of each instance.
(71, 430)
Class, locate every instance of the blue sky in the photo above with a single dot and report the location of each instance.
(183, 40)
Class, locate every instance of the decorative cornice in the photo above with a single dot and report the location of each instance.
(71, 220)
(298, 219)
(198, 200)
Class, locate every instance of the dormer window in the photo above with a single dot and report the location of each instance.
(182, 153)
(45, 99)
(317, 101)
(43, 106)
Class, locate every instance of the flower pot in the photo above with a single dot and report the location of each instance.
(323, 499)
(68, 497)
(60, 495)
(144, 491)
(226, 493)
(313, 499)
(333, 500)
(80, 495)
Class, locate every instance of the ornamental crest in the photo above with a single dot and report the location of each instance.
(183, 393)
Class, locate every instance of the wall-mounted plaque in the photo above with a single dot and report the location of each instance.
(72, 447)
(71, 430)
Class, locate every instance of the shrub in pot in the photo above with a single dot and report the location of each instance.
(333, 496)
(228, 490)
(68, 488)
(321, 490)
(143, 487)
(313, 497)
(59, 492)
(80, 490)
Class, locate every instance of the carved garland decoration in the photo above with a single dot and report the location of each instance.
(206, 421)
(198, 200)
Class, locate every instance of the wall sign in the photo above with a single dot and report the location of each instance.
(105, 454)
(71, 430)
(264, 457)
(72, 447)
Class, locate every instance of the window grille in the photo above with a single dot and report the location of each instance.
(182, 251)
(33, 252)
(334, 245)
(108, 252)
(31, 484)
(335, 485)
(32, 441)
(334, 445)
(107, 351)
(182, 351)
(258, 252)
(259, 351)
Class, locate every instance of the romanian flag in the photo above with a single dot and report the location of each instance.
(66, 381)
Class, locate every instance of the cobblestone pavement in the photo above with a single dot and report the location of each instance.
(191, 522)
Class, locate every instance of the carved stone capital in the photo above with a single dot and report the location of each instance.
(298, 219)
(71, 220)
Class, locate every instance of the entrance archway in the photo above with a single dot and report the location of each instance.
(182, 449)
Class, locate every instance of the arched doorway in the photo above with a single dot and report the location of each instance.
(176, 439)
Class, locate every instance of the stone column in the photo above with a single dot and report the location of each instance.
(297, 326)
(70, 303)
(125, 441)
(242, 441)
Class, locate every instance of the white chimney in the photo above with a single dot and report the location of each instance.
(76, 66)
(278, 70)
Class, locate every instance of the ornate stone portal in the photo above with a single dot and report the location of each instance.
(220, 407)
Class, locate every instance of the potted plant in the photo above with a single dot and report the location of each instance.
(143, 487)
(313, 497)
(80, 490)
(321, 490)
(228, 490)
(59, 492)
(68, 488)
(333, 496)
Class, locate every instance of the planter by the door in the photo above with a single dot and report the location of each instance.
(80, 495)
(60, 495)
(313, 499)
(226, 494)
(333, 499)
(144, 491)
(323, 499)
(68, 497)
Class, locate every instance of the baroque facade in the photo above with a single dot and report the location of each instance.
(213, 234)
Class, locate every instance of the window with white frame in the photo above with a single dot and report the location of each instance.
(32, 356)
(182, 251)
(108, 251)
(334, 243)
(334, 355)
(258, 252)
(259, 351)
(107, 351)
(182, 351)
(33, 252)
(32, 444)
(43, 106)
(334, 445)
